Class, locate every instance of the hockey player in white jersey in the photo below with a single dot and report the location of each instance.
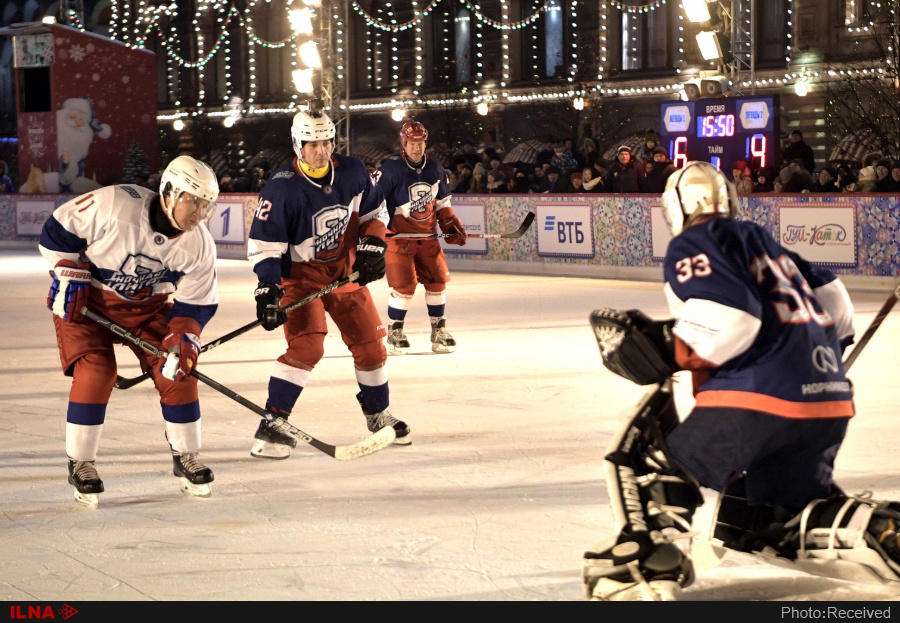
(417, 193)
(762, 332)
(147, 262)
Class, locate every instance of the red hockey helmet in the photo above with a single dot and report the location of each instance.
(412, 131)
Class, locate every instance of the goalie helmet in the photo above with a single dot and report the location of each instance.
(698, 188)
(308, 127)
(412, 131)
(188, 175)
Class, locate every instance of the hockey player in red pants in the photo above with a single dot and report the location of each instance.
(418, 201)
(124, 250)
(762, 332)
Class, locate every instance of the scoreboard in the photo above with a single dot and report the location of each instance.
(723, 130)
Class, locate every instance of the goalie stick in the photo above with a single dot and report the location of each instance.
(123, 383)
(873, 326)
(529, 218)
(373, 443)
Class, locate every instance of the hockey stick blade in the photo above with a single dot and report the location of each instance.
(529, 219)
(124, 383)
(873, 327)
(373, 443)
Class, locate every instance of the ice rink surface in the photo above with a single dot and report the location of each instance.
(497, 498)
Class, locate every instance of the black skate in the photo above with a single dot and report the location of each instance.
(194, 475)
(272, 442)
(397, 341)
(377, 421)
(441, 340)
(83, 475)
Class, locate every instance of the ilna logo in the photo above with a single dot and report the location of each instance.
(38, 612)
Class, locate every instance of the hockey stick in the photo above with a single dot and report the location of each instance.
(529, 218)
(123, 383)
(873, 326)
(369, 445)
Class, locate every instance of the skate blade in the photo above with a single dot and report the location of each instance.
(91, 500)
(200, 491)
(265, 450)
(441, 349)
(406, 440)
(396, 350)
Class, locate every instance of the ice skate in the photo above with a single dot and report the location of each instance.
(441, 340)
(397, 342)
(272, 442)
(83, 476)
(194, 475)
(377, 421)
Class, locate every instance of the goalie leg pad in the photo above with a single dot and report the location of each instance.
(653, 503)
(843, 537)
(634, 346)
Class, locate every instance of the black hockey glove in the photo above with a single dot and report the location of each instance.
(370, 259)
(634, 346)
(268, 305)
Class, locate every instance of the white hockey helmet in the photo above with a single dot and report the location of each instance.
(698, 188)
(308, 127)
(188, 175)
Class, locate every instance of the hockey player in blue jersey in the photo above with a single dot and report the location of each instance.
(418, 200)
(762, 332)
(125, 250)
(318, 219)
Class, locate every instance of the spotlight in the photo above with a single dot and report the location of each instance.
(178, 124)
(482, 108)
(397, 114)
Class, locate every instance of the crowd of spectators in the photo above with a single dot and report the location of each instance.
(561, 167)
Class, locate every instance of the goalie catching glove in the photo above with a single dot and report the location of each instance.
(634, 346)
(369, 259)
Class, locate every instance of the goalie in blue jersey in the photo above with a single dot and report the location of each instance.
(762, 332)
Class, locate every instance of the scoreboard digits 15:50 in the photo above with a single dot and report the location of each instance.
(722, 131)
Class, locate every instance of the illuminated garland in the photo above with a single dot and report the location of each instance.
(377, 23)
(644, 8)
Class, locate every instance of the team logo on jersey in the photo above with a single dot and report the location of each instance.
(135, 278)
(421, 201)
(159, 239)
(376, 176)
(824, 359)
(329, 226)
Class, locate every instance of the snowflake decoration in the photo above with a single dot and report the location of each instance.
(77, 53)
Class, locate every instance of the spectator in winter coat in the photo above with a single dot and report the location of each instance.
(496, 182)
(825, 182)
(884, 182)
(479, 180)
(564, 159)
(546, 154)
(592, 181)
(658, 171)
(625, 176)
(740, 173)
(799, 149)
(555, 182)
(763, 181)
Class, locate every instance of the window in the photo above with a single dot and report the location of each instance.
(646, 43)
(462, 37)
